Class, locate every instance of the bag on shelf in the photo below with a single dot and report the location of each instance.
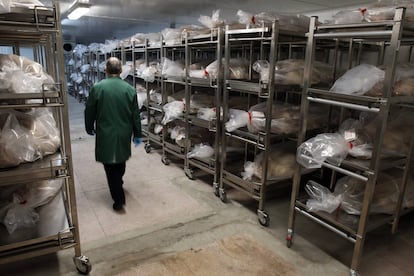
(281, 164)
(178, 135)
(171, 68)
(290, 71)
(211, 22)
(321, 198)
(238, 69)
(201, 151)
(358, 80)
(22, 75)
(329, 147)
(172, 111)
(20, 211)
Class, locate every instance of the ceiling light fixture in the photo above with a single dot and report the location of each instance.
(78, 9)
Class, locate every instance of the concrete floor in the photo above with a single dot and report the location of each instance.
(167, 213)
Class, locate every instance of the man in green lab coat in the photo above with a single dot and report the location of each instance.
(112, 114)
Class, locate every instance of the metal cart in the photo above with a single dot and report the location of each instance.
(264, 43)
(40, 28)
(383, 39)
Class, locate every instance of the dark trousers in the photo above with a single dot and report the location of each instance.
(114, 174)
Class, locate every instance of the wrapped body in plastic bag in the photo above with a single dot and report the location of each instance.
(329, 147)
(22, 75)
(281, 164)
(171, 68)
(238, 69)
(26, 137)
(349, 195)
(290, 72)
(298, 22)
(285, 118)
(171, 36)
(201, 151)
(172, 111)
(19, 210)
(403, 82)
(211, 22)
(362, 133)
(358, 80)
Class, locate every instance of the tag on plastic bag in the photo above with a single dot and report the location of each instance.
(350, 135)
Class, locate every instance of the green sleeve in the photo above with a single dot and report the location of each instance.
(136, 118)
(90, 111)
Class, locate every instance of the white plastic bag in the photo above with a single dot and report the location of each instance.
(329, 147)
(211, 22)
(237, 119)
(172, 111)
(171, 68)
(321, 199)
(348, 17)
(178, 135)
(141, 99)
(201, 151)
(207, 114)
(358, 80)
(5, 6)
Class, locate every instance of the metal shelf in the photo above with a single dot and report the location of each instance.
(51, 166)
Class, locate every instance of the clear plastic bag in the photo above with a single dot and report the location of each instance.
(158, 128)
(22, 75)
(16, 143)
(237, 119)
(281, 164)
(85, 68)
(358, 80)
(20, 213)
(329, 147)
(238, 69)
(19, 216)
(352, 191)
(201, 151)
(148, 74)
(245, 18)
(321, 199)
(155, 97)
(5, 6)
(348, 17)
(207, 114)
(290, 71)
(171, 68)
(172, 111)
(211, 22)
(178, 135)
(141, 99)
(171, 36)
(46, 135)
(127, 70)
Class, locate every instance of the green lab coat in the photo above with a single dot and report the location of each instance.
(112, 111)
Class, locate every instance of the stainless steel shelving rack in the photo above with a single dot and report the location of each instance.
(264, 43)
(199, 48)
(388, 37)
(154, 110)
(40, 28)
(170, 86)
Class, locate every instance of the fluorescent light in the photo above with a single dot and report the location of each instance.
(78, 13)
(78, 9)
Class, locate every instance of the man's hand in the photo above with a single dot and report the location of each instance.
(136, 141)
(91, 132)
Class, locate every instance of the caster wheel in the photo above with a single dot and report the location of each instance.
(263, 218)
(147, 148)
(82, 265)
(289, 242)
(216, 190)
(165, 160)
(189, 173)
(223, 195)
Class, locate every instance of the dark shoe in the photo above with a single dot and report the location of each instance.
(117, 206)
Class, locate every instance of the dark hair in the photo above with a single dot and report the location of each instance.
(113, 66)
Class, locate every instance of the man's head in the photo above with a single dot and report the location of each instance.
(113, 66)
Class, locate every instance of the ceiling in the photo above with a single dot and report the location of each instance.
(118, 19)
